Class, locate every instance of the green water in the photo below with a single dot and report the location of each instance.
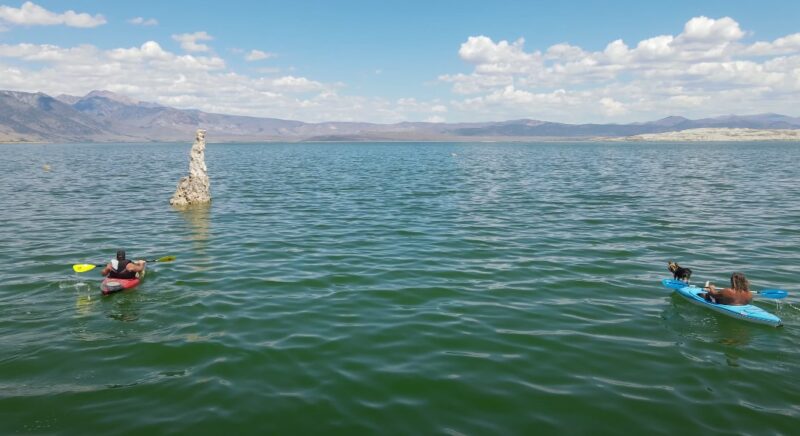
(398, 289)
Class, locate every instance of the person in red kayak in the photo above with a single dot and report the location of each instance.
(121, 268)
(737, 295)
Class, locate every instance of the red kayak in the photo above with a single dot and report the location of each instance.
(111, 286)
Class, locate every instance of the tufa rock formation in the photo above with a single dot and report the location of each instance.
(194, 188)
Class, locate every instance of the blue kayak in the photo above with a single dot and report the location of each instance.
(747, 312)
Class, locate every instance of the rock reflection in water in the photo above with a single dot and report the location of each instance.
(198, 216)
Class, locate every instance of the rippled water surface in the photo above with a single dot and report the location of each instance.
(398, 289)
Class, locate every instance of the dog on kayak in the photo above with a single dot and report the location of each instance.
(679, 272)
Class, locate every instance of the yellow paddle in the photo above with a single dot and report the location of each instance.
(83, 267)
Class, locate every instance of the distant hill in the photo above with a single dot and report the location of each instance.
(27, 117)
(103, 116)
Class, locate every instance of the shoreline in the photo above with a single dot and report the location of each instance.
(689, 135)
(722, 134)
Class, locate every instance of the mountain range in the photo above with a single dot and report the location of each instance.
(103, 116)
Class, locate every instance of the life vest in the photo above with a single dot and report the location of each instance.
(119, 270)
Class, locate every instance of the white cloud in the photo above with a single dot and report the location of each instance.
(704, 29)
(189, 41)
(617, 52)
(612, 107)
(149, 72)
(297, 84)
(435, 119)
(784, 45)
(257, 55)
(481, 49)
(501, 57)
(565, 52)
(655, 48)
(31, 14)
(476, 83)
(141, 21)
(433, 108)
(706, 67)
(148, 50)
(688, 100)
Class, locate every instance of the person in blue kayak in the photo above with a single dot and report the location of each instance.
(122, 268)
(737, 295)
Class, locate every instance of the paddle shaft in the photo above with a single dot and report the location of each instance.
(101, 265)
(769, 293)
(89, 266)
(766, 293)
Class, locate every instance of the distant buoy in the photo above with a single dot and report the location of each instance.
(46, 167)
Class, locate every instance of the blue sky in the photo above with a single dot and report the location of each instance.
(390, 61)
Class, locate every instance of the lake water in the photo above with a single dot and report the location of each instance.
(398, 289)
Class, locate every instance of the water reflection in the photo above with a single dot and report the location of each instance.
(83, 305)
(734, 335)
(198, 216)
(125, 310)
(706, 326)
(83, 294)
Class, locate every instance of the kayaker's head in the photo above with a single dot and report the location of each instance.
(739, 282)
(120, 254)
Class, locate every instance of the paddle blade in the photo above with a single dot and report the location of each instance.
(773, 293)
(166, 259)
(83, 267)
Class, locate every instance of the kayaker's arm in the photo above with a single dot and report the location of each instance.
(106, 270)
(712, 291)
(137, 266)
(711, 294)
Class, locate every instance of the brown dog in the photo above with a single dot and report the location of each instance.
(678, 272)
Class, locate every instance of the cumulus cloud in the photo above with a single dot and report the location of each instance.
(708, 30)
(498, 57)
(150, 72)
(297, 84)
(659, 47)
(612, 107)
(148, 51)
(31, 14)
(707, 66)
(257, 55)
(617, 52)
(688, 100)
(189, 41)
(784, 45)
(565, 52)
(476, 83)
(141, 21)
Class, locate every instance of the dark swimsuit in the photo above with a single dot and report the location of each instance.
(121, 272)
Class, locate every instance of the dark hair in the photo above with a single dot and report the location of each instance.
(739, 282)
(120, 254)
